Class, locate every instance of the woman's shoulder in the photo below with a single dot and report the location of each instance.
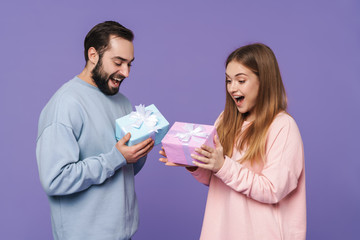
(283, 119)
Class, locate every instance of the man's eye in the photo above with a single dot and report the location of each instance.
(129, 64)
(118, 64)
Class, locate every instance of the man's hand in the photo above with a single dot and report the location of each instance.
(135, 152)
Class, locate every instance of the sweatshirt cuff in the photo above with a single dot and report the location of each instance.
(115, 159)
(224, 170)
(196, 172)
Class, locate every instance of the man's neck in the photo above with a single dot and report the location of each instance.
(85, 75)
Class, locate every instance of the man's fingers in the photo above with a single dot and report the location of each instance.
(143, 151)
(152, 146)
(125, 139)
(148, 147)
(141, 155)
(142, 144)
(146, 150)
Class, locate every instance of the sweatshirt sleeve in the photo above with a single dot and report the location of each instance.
(139, 165)
(60, 169)
(283, 166)
(202, 175)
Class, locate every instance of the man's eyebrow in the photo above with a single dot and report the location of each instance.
(122, 59)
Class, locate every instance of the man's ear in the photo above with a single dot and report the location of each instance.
(93, 55)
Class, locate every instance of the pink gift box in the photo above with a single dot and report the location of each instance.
(182, 139)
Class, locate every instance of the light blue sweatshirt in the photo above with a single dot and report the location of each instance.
(88, 182)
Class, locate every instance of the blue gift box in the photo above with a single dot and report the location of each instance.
(143, 123)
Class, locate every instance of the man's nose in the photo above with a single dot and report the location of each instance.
(125, 70)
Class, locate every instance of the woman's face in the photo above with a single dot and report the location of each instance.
(243, 86)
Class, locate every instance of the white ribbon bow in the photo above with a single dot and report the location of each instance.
(141, 115)
(191, 132)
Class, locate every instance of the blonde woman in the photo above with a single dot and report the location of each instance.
(255, 174)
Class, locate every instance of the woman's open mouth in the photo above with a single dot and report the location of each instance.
(238, 100)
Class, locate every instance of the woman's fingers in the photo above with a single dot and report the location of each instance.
(207, 148)
(200, 158)
(205, 153)
(162, 153)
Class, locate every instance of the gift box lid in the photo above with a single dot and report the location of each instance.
(182, 139)
(143, 123)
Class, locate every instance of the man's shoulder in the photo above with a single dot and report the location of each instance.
(65, 98)
(65, 92)
(70, 92)
(71, 87)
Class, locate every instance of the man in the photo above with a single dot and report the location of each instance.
(87, 175)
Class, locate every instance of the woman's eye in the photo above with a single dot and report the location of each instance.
(241, 81)
(228, 81)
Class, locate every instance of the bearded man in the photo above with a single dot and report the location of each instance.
(87, 175)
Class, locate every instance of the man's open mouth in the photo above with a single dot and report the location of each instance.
(116, 81)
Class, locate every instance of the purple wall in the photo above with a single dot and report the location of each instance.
(180, 50)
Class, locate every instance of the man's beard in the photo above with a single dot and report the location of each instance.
(102, 79)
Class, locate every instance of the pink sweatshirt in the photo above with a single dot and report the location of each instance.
(263, 201)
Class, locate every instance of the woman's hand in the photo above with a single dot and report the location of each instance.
(165, 160)
(211, 158)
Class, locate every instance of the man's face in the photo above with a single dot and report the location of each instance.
(113, 66)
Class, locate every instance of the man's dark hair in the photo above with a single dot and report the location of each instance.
(99, 36)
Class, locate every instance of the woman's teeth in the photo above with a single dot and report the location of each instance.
(239, 98)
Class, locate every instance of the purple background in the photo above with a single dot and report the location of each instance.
(180, 50)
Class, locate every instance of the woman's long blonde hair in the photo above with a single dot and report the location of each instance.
(271, 100)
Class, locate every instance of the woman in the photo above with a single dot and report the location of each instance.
(255, 173)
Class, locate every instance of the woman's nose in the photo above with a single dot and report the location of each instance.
(232, 86)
